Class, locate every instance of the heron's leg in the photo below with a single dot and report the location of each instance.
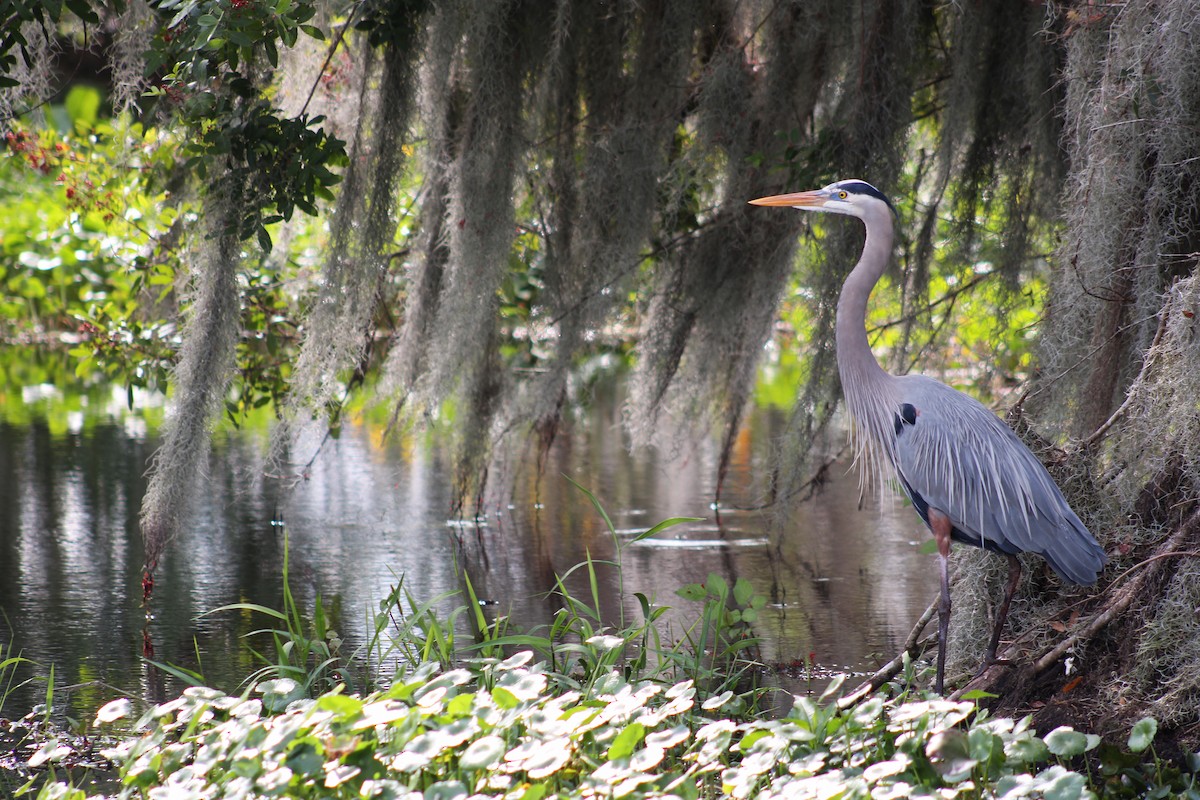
(1014, 577)
(940, 524)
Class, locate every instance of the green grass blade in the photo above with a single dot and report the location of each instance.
(662, 526)
(595, 503)
(187, 676)
(270, 612)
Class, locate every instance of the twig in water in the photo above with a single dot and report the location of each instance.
(893, 667)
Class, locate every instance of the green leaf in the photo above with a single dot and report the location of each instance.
(504, 698)
(483, 753)
(1029, 750)
(692, 591)
(535, 792)
(1057, 783)
(304, 760)
(743, 591)
(270, 612)
(595, 503)
(1143, 733)
(662, 526)
(1067, 743)
(83, 106)
(750, 738)
(627, 741)
(186, 676)
(340, 704)
(987, 748)
(950, 753)
(83, 10)
(85, 366)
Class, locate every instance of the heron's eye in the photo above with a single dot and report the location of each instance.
(842, 195)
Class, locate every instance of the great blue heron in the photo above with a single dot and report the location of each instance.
(968, 475)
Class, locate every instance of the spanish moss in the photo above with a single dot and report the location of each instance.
(201, 375)
(338, 329)
(526, 190)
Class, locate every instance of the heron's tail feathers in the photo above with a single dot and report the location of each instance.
(1074, 553)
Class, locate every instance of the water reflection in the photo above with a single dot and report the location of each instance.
(844, 585)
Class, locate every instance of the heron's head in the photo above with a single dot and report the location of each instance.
(852, 198)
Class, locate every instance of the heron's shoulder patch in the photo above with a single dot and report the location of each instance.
(907, 415)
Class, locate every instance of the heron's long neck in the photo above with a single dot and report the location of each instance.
(867, 387)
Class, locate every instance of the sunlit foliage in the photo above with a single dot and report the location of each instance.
(498, 728)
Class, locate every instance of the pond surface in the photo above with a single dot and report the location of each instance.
(844, 585)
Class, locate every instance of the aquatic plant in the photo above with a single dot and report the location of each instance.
(615, 714)
(715, 648)
(10, 666)
(499, 728)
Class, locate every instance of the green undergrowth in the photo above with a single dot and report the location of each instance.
(582, 709)
(499, 728)
(715, 647)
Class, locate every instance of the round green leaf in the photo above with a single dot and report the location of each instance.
(483, 753)
(1143, 734)
(1057, 783)
(1066, 742)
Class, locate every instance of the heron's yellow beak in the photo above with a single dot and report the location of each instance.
(795, 199)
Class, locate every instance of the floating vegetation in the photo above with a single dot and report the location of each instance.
(578, 713)
(499, 728)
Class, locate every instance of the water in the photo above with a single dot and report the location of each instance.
(844, 585)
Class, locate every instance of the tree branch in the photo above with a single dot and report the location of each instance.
(1125, 595)
(912, 647)
(1118, 602)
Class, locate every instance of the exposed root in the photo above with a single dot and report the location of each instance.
(1010, 682)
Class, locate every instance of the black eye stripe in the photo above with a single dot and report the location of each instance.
(862, 187)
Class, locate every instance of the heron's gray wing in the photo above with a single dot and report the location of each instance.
(962, 460)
